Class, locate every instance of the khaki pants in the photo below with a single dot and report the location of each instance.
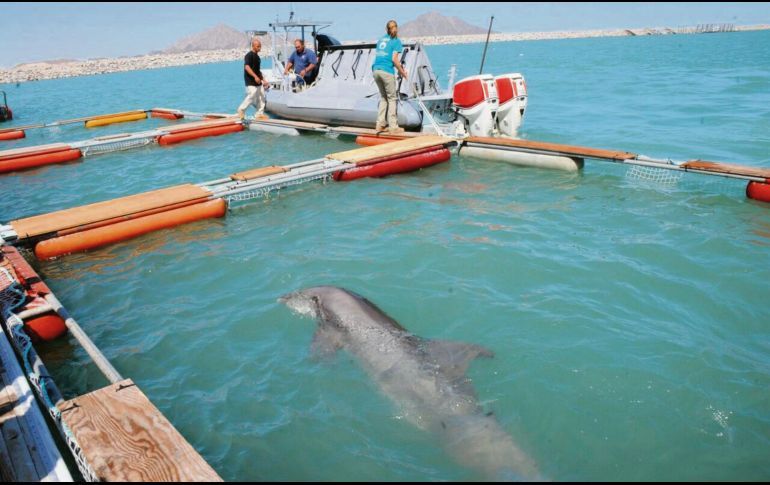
(386, 83)
(255, 95)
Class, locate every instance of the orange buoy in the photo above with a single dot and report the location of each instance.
(121, 231)
(12, 135)
(758, 191)
(199, 133)
(370, 140)
(38, 159)
(166, 115)
(393, 165)
(45, 327)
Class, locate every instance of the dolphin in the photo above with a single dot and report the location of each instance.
(426, 379)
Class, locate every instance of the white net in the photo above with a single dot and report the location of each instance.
(116, 146)
(11, 293)
(263, 192)
(695, 183)
(653, 175)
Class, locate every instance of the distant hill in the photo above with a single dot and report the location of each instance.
(433, 23)
(220, 37)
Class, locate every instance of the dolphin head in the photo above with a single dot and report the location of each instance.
(310, 302)
(328, 305)
(301, 302)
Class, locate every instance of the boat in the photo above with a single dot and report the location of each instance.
(343, 92)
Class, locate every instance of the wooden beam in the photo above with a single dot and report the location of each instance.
(257, 172)
(360, 155)
(91, 213)
(569, 150)
(718, 167)
(124, 437)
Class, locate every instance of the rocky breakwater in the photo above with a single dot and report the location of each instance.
(59, 69)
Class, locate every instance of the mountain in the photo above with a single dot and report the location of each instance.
(433, 23)
(220, 37)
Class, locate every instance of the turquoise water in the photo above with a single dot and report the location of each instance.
(629, 321)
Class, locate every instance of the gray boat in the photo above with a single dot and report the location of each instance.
(344, 93)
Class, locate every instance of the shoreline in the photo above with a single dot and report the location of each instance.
(38, 71)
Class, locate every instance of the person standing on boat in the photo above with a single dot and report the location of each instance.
(303, 61)
(386, 61)
(255, 82)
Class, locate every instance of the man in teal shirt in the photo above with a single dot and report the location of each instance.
(386, 61)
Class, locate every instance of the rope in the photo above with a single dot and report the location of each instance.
(336, 64)
(355, 63)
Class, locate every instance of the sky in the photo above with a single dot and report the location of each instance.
(46, 31)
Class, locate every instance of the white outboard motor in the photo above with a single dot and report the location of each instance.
(512, 94)
(475, 99)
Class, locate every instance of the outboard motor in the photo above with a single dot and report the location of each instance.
(5, 112)
(512, 93)
(475, 99)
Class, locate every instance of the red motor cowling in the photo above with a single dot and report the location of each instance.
(512, 93)
(470, 92)
(475, 100)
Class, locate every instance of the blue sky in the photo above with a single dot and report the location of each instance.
(40, 31)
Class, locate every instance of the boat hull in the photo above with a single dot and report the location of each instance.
(362, 113)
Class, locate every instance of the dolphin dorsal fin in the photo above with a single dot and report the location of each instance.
(453, 358)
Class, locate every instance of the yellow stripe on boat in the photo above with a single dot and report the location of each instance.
(116, 119)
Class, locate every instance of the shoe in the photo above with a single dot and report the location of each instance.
(395, 130)
(378, 128)
(241, 114)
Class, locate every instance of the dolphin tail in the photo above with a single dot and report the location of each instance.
(479, 442)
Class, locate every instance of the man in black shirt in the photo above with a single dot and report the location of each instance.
(255, 82)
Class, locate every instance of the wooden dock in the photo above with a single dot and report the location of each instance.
(114, 433)
(124, 437)
(27, 450)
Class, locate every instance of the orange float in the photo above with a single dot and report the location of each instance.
(181, 136)
(46, 326)
(168, 115)
(121, 231)
(369, 140)
(12, 135)
(398, 164)
(758, 191)
(36, 159)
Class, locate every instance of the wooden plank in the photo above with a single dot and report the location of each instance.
(291, 123)
(39, 149)
(6, 470)
(18, 454)
(195, 125)
(718, 167)
(100, 211)
(28, 444)
(14, 458)
(257, 172)
(354, 130)
(124, 437)
(359, 155)
(570, 150)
